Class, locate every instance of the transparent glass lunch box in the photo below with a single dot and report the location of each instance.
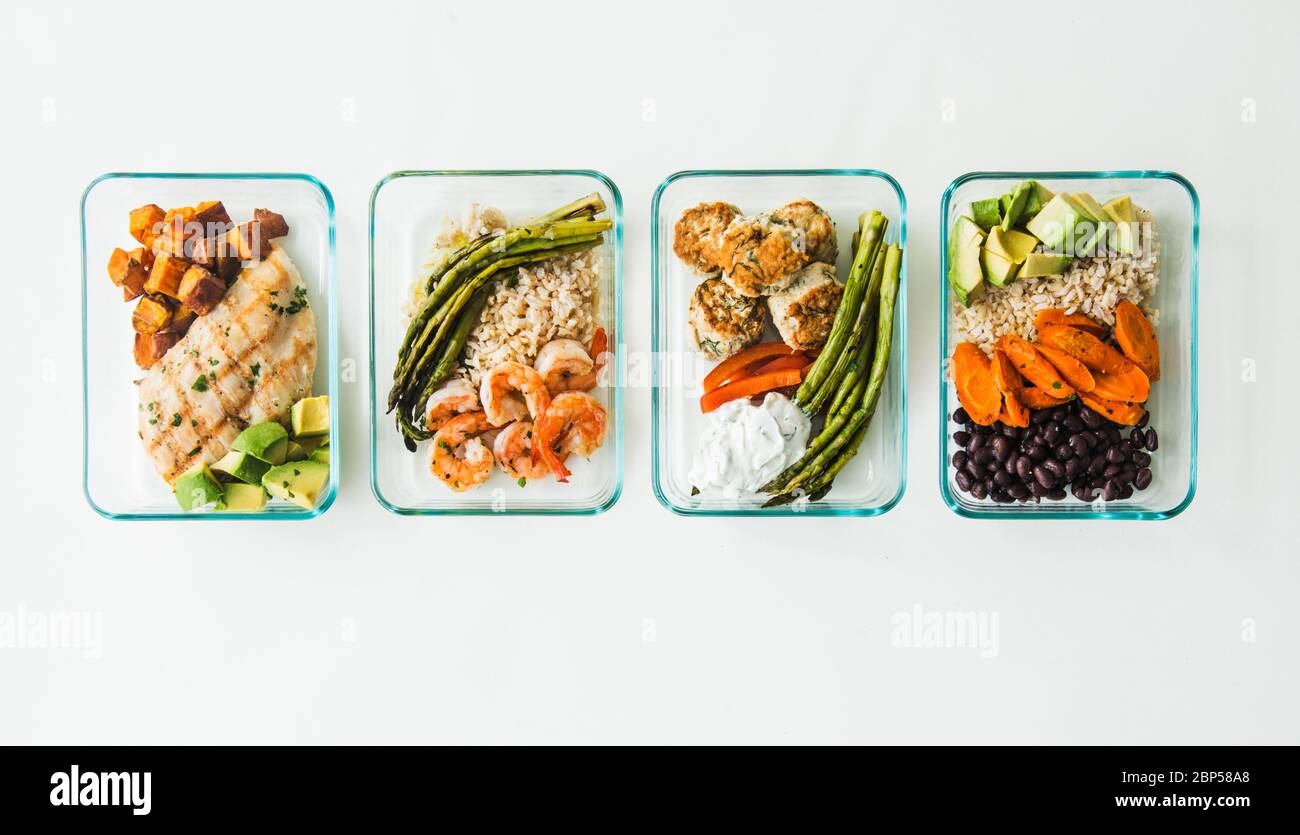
(119, 480)
(1173, 401)
(874, 481)
(406, 210)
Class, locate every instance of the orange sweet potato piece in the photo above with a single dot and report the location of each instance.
(200, 290)
(1009, 383)
(151, 314)
(1132, 386)
(1049, 316)
(150, 347)
(1086, 348)
(1033, 367)
(1035, 398)
(144, 223)
(1125, 414)
(165, 277)
(182, 318)
(1137, 339)
(1072, 371)
(273, 223)
(978, 392)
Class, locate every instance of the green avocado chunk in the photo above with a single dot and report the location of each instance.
(198, 488)
(244, 497)
(300, 482)
(267, 441)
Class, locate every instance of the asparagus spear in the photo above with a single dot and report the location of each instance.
(872, 233)
(863, 322)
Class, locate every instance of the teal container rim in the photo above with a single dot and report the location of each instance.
(656, 477)
(617, 212)
(944, 410)
(332, 328)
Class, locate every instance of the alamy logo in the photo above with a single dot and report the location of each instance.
(107, 788)
(919, 629)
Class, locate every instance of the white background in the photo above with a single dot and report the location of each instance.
(638, 626)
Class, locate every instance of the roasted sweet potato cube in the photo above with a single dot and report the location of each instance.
(117, 264)
(212, 211)
(151, 314)
(128, 273)
(249, 241)
(144, 223)
(201, 290)
(150, 347)
(182, 318)
(228, 269)
(273, 223)
(166, 275)
(143, 256)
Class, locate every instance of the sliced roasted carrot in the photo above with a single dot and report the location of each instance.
(735, 365)
(749, 386)
(1074, 372)
(978, 392)
(1035, 398)
(1137, 339)
(1132, 386)
(795, 360)
(1033, 367)
(1125, 414)
(1009, 383)
(1086, 348)
(1050, 316)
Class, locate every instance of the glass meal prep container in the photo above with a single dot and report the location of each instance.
(874, 481)
(406, 210)
(119, 480)
(1172, 404)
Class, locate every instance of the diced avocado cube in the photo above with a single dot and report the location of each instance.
(267, 441)
(243, 466)
(248, 498)
(1016, 206)
(1120, 211)
(197, 488)
(1092, 210)
(965, 274)
(322, 455)
(1040, 264)
(310, 417)
(1042, 192)
(1012, 245)
(295, 452)
(1057, 220)
(300, 482)
(986, 213)
(997, 270)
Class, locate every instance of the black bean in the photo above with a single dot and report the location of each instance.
(1099, 482)
(1038, 452)
(1126, 447)
(1146, 416)
(1051, 433)
(1038, 490)
(975, 443)
(1079, 445)
(1090, 418)
(1125, 492)
(1010, 431)
(1153, 440)
(1111, 492)
(1001, 448)
(1098, 464)
(1084, 492)
(1056, 494)
(1140, 459)
(961, 438)
(963, 482)
(1137, 438)
(979, 491)
(1072, 423)
(1039, 417)
(1127, 473)
(1025, 467)
(969, 427)
(1000, 496)
(983, 455)
(959, 459)
(1063, 452)
(1143, 478)
(1111, 471)
(1018, 491)
(960, 416)
(1072, 468)
(1003, 479)
(985, 430)
(1044, 476)
(1114, 456)
(975, 470)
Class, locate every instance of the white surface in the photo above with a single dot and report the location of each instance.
(638, 625)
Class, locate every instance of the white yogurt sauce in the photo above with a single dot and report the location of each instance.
(747, 446)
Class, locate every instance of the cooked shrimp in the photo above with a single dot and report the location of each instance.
(460, 460)
(562, 362)
(574, 424)
(513, 391)
(454, 397)
(514, 451)
(569, 366)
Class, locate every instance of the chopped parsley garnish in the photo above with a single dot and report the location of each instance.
(522, 482)
(299, 300)
(200, 383)
(193, 452)
(212, 361)
(176, 419)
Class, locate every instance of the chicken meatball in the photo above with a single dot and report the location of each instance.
(697, 236)
(804, 312)
(723, 322)
(816, 226)
(760, 256)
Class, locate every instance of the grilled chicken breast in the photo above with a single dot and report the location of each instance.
(245, 362)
